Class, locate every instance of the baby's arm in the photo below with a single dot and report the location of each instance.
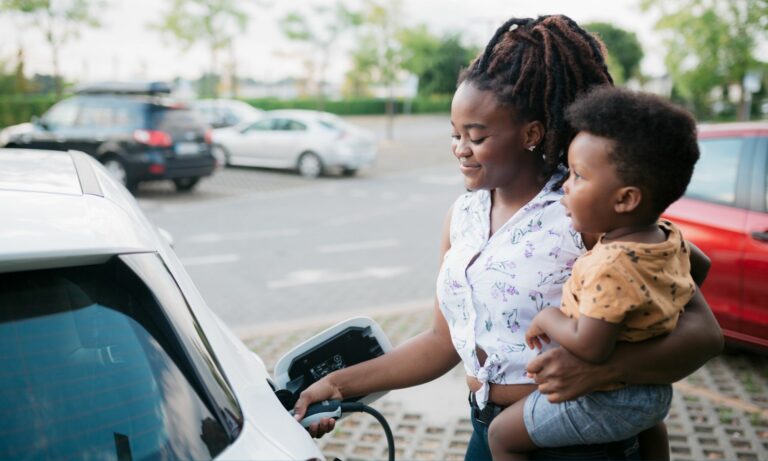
(589, 339)
(700, 264)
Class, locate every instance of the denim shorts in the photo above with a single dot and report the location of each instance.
(599, 417)
(626, 450)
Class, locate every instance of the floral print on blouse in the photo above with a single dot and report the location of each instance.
(518, 271)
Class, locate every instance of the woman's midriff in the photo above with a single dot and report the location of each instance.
(502, 394)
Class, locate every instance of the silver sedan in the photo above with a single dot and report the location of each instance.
(309, 141)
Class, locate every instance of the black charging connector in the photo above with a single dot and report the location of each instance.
(335, 408)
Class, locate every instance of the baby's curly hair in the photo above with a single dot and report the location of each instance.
(538, 67)
(654, 141)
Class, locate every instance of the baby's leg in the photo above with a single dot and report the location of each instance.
(507, 435)
(654, 443)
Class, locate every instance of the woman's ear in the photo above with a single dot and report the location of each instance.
(534, 133)
(628, 199)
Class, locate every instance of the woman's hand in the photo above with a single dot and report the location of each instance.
(319, 391)
(562, 376)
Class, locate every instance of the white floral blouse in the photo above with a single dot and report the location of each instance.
(518, 271)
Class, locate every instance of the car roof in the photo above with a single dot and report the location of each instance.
(756, 128)
(57, 209)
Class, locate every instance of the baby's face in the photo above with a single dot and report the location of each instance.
(592, 186)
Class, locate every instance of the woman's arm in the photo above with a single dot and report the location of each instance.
(422, 358)
(695, 340)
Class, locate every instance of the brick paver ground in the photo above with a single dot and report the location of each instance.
(719, 412)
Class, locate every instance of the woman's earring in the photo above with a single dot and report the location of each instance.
(531, 148)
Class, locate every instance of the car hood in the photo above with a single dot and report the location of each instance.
(7, 133)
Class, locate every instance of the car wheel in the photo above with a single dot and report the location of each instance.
(310, 165)
(116, 168)
(220, 154)
(185, 184)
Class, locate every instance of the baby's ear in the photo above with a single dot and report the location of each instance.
(628, 199)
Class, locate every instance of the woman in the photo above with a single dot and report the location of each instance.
(508, 245)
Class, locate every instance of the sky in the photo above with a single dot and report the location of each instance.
(126, 48)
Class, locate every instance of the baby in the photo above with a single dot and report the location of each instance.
(632, 157)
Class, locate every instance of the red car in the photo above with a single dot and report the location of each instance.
(724, 212)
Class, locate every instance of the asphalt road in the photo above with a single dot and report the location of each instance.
(265, 246)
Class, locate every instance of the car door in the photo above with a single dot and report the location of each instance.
(290, 140)
(713, 215)
(755, 266)
(253, 144)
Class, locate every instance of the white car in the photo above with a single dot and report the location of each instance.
(108, 349)
(309, 141)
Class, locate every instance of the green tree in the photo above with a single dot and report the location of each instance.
(213, 22)
(320, 33)
(378, 59)
(624, 50)
(59, 21)
(711, 45)
(435, 61)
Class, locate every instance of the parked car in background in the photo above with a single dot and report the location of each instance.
(133, 129)
(221, 113)
(309, 141)
(109, 351)
(724, 212)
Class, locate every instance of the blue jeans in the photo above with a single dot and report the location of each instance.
(629, 450)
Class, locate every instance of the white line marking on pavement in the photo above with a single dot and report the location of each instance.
(316, 276)
(372, 245)
(214, 237)
(212, 259)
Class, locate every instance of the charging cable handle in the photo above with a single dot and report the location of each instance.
(334, 409)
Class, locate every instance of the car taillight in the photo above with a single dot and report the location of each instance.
(208, 137)
(153, 138)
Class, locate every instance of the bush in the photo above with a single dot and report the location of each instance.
(18, 109)
(357, 106)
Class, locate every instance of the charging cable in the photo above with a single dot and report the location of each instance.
(335, 408)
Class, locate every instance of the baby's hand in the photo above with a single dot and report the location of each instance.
(535, 335)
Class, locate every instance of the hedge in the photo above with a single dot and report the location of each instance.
(358, 106)
(18, 109)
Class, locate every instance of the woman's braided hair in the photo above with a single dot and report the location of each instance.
(538, 67)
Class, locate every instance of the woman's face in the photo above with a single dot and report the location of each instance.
(487, 140)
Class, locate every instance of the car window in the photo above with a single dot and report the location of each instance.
(715, 174)
(173, 120)
(110, 113)
(262, 125)
(62, 115)
(285, 124)
(92, 369)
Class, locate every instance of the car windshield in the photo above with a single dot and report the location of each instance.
(92, 369)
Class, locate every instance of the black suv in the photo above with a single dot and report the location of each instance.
(133, 129)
